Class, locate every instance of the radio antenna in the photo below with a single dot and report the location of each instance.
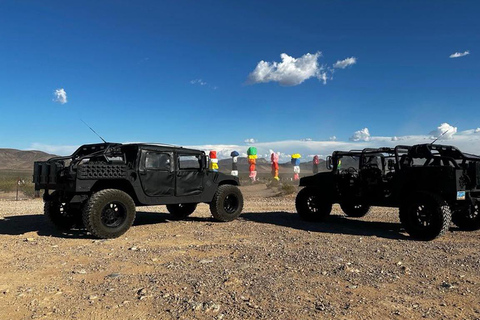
(93, 131)
(444, 132)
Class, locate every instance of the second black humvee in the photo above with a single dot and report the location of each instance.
(431, 185)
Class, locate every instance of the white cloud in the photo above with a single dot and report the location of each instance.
(54, 149)
(198, 82)
(290, 72)
(332, 138)
(322, 76)
(361, 135)
(443, 132)
(250, 141)
(459, 54)
(467, 141)
(342, 64)
(60, 96)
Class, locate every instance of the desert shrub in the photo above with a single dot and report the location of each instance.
(288, 189)
(9, 179)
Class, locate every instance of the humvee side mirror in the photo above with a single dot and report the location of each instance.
(329, 163)
(203, 162)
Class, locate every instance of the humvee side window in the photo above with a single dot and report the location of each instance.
(158, 161)
(188, 162)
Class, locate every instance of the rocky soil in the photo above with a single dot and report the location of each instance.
(267, 265)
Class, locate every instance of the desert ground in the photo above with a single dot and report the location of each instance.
(268, 264)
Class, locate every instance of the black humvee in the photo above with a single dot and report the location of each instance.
(99, 185)
(431, 185)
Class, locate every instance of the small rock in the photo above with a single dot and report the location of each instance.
(81, 271)
(113, 275)
(92, 297)
(447, 285)
(29, 239)
(205, 261)
(142, 292)
(133, 249)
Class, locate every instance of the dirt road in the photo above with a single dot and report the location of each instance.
(267, 265)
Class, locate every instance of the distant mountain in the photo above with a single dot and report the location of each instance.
(12, 159)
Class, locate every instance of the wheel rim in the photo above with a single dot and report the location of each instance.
(473, 212)
(63, 211)
(114, 214)
(230, 205)
(423, 216)
(312, 204)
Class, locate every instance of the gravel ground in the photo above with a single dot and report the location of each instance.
(266, 265)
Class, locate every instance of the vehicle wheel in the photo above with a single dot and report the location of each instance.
(227, 204)
(109, 213)
(311, 206)
(355, 210)
(61, 215)
(181, 211)
(425, 216)
(468, 219)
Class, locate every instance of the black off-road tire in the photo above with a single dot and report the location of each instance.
(227, 203)
(355, 210)
(61, 215)
(469, 219)
(425, 216)
(311, 206)
(181, 211)
(109, 213)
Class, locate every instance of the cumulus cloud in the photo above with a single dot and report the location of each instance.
(60, 96)
(250, 141)
(459, 54)
(290, 72)
(332, 138)
(444, 132)
(467, 141)
(342, 64)
(361, 135)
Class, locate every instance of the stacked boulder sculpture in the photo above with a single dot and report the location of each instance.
(252, 161)
(296, 165)
(274, 158)
(316, 162)
(234, 156)
(213, 161)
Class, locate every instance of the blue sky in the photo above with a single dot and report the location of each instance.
(181, 72)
